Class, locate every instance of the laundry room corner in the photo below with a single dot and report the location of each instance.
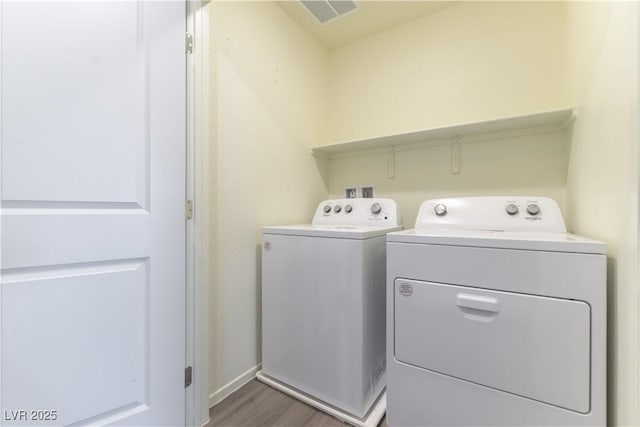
(296, 121)
(269, 106)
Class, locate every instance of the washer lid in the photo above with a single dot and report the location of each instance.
(553, 242)
(332, 231)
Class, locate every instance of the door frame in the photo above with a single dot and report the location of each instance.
(197, 229)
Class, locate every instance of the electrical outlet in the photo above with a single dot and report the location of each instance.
(350, 192)
(367, 192)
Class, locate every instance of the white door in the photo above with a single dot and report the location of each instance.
(93, 231)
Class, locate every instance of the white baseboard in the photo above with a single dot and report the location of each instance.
(233, 385)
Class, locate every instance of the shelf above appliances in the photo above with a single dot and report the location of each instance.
(543, 122)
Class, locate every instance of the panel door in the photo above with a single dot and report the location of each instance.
(93, 233)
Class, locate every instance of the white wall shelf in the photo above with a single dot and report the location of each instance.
(530, 124)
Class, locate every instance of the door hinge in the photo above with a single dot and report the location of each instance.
(188, 209)
(188, 43)
(188, 374)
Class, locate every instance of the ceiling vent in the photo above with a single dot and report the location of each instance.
(328, 10)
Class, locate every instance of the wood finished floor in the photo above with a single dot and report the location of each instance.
(258, 405)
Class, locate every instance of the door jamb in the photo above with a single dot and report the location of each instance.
(197, 229)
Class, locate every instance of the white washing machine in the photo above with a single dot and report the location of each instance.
(323, 308)
(495, 317)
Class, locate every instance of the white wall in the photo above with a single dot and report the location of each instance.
(602, 185)
(269, 97)
(470, 62)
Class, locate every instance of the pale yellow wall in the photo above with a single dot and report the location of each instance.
(269, 103)
(602, 185)
(470, 62)
(527, 165)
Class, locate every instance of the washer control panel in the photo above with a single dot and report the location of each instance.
(357, 212)
(492, 213)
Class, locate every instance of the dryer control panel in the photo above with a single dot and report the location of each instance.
(505, 213)
(357, 212)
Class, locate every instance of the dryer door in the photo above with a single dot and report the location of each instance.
(531, 346)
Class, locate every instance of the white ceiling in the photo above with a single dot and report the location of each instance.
(371, 16)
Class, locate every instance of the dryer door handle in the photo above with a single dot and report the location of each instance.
(476, 302)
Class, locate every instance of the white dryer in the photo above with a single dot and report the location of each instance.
(323, 307)
(496, 317)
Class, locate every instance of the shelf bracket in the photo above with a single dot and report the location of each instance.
(455, 156)
(391, 163)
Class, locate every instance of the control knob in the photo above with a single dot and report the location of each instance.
(348, 208)
(440, 209)
(376, 208)
(533, 209)
(327, 208)
(337, 208)
(512, 209)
